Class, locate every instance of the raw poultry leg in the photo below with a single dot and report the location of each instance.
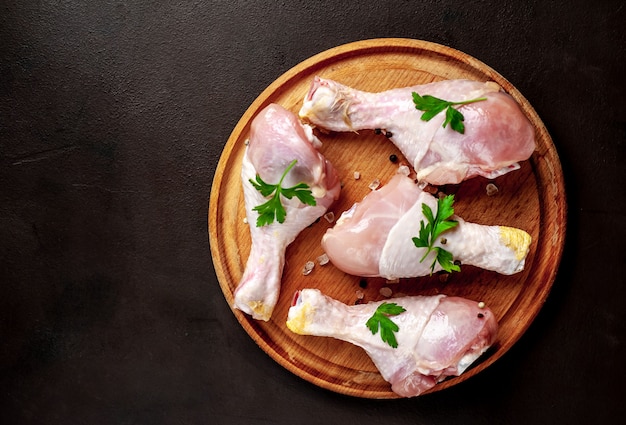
(497, 133)
(374, 237)
(437, 336)
(276, 139)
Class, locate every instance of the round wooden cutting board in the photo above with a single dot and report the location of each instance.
(531, 198)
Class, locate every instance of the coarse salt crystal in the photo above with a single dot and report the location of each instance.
(357, 175)
(359, 294)
(374, 184)
(323, 259)
(308, 268)
(491, 189)
(329, 216)
(245, 220)
(385, 291)
(404, 170)
(421, 185)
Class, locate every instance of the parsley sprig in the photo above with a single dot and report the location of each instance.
(273, 208)
(432, 105)
(437, 224)
(380, 319)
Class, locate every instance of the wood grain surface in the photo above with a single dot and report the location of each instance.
(532, 198)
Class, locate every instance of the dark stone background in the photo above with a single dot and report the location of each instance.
(113, 115)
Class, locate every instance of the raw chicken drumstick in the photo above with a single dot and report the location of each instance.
(374, 237)
(437, 336)
(276, 139)
(497, 133)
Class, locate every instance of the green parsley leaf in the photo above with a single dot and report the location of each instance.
(429, 232)
(380, 320)
(432, 106)
(445, 259)
(273, 209)
(445, 210)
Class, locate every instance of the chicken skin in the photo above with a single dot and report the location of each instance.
(374, 237)
(437, 336)
(277, 138)
(497, 134)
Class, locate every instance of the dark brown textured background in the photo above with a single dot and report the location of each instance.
(113, 115)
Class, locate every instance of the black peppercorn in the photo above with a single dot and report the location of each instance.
(393, 158)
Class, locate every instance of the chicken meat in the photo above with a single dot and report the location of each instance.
(497, 133)
(437, 336)
(277, 138)
(374, 237)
